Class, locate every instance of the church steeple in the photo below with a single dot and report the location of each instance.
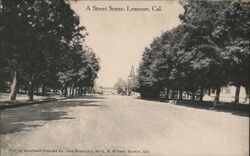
(132, 72)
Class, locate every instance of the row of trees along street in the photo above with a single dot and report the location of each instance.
(42, 46)
(208, 50)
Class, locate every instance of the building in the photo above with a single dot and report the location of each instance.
(227, 94)
(132, 73)
(105, 90)
(131, 82)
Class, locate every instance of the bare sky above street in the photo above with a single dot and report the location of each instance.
(119, 38)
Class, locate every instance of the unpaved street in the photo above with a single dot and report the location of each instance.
(117, 125)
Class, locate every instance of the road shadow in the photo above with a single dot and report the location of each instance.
(27, 117)
(235, 109)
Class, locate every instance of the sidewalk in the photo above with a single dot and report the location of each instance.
(23, 102)
(240, 109)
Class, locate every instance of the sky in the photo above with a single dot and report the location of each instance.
(119, 38)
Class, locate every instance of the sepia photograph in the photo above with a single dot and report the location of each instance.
(124, 77)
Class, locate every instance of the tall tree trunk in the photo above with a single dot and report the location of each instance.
(193, 96)
(201, 94)
(209, 91)
(75, 91)
(247, 93)
(14, 87)
(167, 94)
(43, 89)
(180, 94)
(173, 94)
(85, 91)
(217, 96)
(72, 89)
(79, 91)
(37, 90)
(237, 95)
(18, 88)
(30, 91)
(61, 90)
(65, 90)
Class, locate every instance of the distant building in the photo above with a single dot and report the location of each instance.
(227, 94)
(106, 91)
(132, 73)
(131, 82)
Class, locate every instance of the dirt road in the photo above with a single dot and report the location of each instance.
(119, 126)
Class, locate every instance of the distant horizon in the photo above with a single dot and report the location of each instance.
(119, 38)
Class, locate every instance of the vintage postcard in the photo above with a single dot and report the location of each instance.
(124, 77)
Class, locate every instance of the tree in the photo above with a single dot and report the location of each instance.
(236, 53)
(42, 45)
(132, 85)
(209, 49)
(201, 19)
(121, 86)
